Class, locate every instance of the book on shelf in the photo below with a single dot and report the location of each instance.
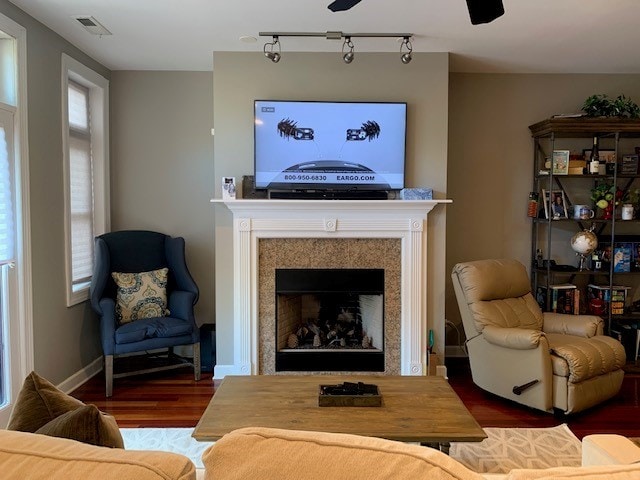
(622, 257)
(601, 298)
(565, 298)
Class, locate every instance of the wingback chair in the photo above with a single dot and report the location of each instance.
(543, 360)
(142, 325)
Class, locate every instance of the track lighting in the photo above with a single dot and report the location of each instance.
(269, 50)
(272, 49)
(406, 56)
(349, 56)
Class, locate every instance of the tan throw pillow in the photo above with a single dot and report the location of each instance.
(86, 424)
(141, 295)
(39, 402)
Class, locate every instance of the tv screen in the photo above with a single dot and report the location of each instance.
(329, 145)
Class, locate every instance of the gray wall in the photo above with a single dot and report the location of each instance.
(65, 339)
(162, 164)
(491, 154)
(239, 78)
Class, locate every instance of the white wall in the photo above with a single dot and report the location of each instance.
(240, 78)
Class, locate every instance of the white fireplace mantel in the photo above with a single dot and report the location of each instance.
(403, 219)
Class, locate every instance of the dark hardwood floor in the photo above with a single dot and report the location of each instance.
(174, 399)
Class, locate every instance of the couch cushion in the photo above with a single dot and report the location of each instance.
(40, 457)
(610, 472)
(162, 327)
(141, 295)
(268, 453)
(39, 402)
(585, 357)
(86, 424)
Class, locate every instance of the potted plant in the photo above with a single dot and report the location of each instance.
(606, 197)
(602, 106)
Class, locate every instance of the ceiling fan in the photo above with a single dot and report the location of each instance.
(480, 11)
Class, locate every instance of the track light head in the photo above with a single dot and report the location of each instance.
(350, 55)
(406, 56)
(270, 51)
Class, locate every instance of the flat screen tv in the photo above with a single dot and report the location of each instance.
(308, 145)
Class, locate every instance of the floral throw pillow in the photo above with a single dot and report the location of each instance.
(141, 295)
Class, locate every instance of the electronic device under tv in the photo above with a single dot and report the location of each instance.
(349, 148)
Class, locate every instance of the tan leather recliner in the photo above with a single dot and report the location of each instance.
(543, 360)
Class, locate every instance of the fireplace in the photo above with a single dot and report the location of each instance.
(329, 320)
(391, 235)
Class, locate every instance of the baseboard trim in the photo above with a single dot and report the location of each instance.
(221, 371)
(81, 377)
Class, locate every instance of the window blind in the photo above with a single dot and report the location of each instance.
(80, 184)
(7, 227)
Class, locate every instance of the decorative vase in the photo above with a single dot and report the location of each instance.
(607, 213)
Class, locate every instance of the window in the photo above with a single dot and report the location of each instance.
(85, 139)
(16, 337)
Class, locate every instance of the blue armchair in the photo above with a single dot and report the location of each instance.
(136, 251)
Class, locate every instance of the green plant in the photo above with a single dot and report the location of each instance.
(602, 106)
(604, 193)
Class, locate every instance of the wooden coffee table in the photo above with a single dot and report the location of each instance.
(414, 409)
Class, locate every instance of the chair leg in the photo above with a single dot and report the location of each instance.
(108, 374)
(196, 361)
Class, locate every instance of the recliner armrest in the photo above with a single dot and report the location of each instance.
(514, 338)
(578, 325)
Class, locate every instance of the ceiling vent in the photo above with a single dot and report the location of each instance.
(91, 25)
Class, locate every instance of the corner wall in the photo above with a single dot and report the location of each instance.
(241, 78)
(491, 155)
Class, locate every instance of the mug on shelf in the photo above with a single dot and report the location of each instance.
(627, 211)
(582, 212)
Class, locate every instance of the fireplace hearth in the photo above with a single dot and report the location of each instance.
(330, 319)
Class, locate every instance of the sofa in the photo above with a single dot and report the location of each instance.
(265, 453)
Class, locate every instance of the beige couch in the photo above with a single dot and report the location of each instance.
(265, 454)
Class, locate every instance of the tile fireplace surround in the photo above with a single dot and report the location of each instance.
(389, 234)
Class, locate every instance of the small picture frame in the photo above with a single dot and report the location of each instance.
(555, 204)
(561, 162)
(228, 188)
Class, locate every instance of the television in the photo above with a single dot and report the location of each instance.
(341, 146)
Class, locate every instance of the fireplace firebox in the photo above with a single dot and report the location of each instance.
(329, 320)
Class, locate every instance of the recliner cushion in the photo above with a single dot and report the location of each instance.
(161, 327)
(585, 357)
(518, 312)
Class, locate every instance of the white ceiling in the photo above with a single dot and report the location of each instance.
(533, 36)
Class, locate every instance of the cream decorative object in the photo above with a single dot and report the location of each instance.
(141, 295)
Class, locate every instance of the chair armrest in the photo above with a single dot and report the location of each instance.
(514, 338)
(181, 305)
(578, 325)
(607, 449)
(108, 325)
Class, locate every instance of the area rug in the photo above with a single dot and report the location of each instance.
(507, 448)
(176, 440)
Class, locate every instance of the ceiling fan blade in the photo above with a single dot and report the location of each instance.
(342, 5)
(484, 11)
